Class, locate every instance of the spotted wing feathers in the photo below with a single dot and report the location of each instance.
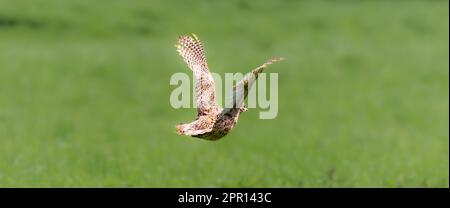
(191, 49)
(241, 89)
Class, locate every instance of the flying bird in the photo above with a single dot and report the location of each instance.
(212, 122)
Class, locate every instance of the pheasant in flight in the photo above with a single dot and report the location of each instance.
(212, 121)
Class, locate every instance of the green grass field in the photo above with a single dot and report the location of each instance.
(363, 94)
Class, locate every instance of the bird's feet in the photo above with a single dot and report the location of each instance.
(243, 109)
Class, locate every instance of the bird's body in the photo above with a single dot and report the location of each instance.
(211, 127)
(212, 121)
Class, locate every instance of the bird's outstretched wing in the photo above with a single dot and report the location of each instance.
(191, 49)
(241, 89)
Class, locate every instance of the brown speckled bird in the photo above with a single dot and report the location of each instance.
(212, 121)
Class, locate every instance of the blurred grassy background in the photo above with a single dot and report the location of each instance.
(363, 95)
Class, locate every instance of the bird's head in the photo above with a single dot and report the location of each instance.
(181, 129)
